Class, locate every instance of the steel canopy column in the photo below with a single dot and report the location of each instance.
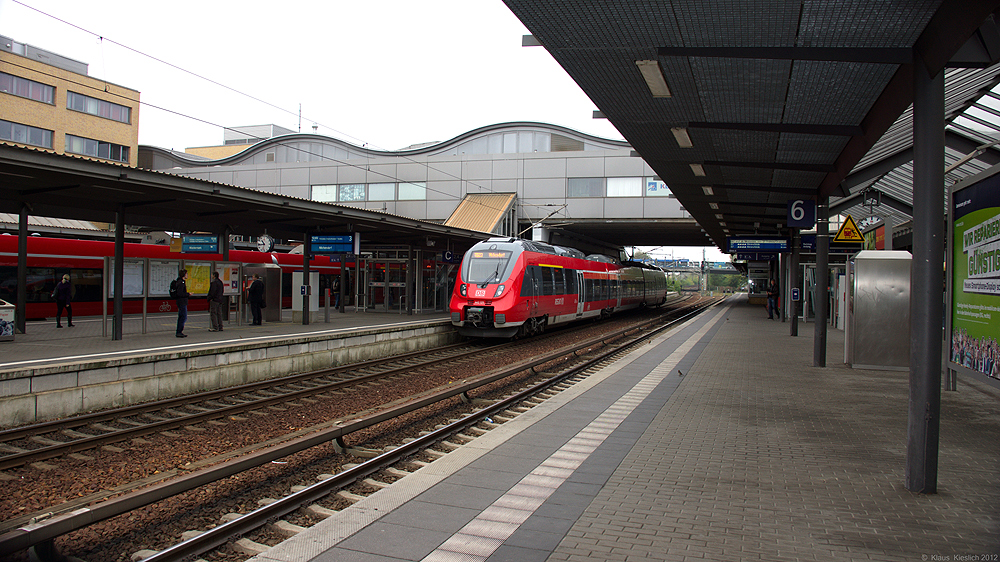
(119, 273)
(926, 308)
(822, 280)
(793, 282)
(21, 306)
(306, 257)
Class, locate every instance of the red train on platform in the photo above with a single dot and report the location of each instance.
(508, 287)
(50, 258)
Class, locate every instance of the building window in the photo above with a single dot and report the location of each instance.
(624, 187)
(586, 187)
(412, 191)
(352, 192)
(25, 134)
(97, 149)
(324, 193)
(100, 108)
(381, 191)
(24, 88)
(656, 188)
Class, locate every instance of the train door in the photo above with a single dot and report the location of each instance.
(580, 294)
(534, 285)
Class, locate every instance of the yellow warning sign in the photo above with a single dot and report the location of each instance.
(849, 232)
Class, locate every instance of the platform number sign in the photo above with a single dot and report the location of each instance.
(801, 213)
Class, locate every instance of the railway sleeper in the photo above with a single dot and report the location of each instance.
(349, 496)
(76, 434)
(434, 453)
(317, 510)
(376, 483)
(399, 473)
(247, 546)
(45, 440)
(102, 428)
(285, 528)
(363, 452)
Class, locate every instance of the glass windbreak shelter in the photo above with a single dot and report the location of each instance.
(384, 274)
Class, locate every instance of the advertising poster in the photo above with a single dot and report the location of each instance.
(229, 274)
(975, 277)
(199, 276)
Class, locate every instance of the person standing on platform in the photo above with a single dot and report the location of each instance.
(215, 301)
(64, 294)
(182, 301)
(772, 299)
(256, 297)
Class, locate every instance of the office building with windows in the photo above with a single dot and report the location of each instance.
(49, 101)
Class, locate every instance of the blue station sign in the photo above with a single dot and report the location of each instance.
(331, 244)
(200, 243)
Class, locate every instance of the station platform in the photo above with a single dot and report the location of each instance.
(717, 441)
(45, 344)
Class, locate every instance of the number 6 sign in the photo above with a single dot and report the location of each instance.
(801, 213)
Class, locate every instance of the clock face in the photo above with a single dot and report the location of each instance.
(265, 243)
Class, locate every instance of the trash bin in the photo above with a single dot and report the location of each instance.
(6, 321)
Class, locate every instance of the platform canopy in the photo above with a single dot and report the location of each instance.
(741, 107)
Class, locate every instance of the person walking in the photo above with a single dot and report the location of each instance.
(772, 299)
(256, 297)
(182, 301)
(215, 301)
(64, 294)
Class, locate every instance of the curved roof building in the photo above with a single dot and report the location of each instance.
(509, 178)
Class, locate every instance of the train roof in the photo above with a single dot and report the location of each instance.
(543, 248)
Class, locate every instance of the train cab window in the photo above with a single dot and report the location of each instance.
(486, 266)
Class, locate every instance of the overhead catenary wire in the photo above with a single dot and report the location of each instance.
(364, 145)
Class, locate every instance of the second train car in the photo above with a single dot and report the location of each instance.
(508, 287)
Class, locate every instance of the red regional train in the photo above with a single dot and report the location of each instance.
(50, 258)
(508, 287)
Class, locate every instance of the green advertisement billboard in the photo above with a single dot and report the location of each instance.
(975, 275)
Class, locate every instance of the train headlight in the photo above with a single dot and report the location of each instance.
(462, 290)
(499, 291)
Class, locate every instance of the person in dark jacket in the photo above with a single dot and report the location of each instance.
(64, 294)
(215, 302)
(182, 302)
(256, 297)
(772, 299)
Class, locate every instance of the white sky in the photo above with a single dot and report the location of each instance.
(386, 73)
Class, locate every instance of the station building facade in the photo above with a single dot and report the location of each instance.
(504, 178)
(509, 179)
(49, 101)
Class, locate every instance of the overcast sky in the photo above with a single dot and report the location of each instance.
(383, 73)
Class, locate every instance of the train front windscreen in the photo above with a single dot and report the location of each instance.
(486, 266)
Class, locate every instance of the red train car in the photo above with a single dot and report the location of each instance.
(50, 258)
(508, 287)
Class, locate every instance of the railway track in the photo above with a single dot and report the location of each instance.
(48, 440)
(41, 535)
